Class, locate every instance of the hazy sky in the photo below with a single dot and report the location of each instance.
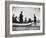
(28, 12)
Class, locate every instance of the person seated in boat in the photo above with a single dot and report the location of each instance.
(25, 20)
(21, 17)
(29, 20)
(16, 20)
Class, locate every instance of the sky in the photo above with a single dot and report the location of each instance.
(28, 12)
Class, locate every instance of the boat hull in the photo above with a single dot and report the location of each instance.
(23, 24)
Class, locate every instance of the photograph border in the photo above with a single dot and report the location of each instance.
(7, 18)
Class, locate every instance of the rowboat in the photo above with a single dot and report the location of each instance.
(22, 24)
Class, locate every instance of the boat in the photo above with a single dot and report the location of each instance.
(22, 24)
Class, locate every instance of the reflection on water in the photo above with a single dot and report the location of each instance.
(34, 26)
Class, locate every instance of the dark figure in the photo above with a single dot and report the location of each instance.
(21, 17)
(13, 20)
(34, 18)
(16, 20)
(29, 20)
